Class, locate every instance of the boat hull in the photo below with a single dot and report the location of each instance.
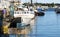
(39, 13)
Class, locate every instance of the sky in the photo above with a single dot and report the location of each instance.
(43, 1)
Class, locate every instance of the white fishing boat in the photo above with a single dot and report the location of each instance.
(25, 15)
(24, 20)
(23, 12)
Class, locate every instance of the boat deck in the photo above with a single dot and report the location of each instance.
(8, 30)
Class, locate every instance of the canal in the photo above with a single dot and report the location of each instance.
(47, 25)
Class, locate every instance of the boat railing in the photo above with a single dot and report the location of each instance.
(23, 12)
(22, 25)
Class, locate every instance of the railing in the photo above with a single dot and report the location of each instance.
(23, 12)
(23, 26)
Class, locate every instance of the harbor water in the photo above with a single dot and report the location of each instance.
(47, 25)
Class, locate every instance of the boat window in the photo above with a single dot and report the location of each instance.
(20, 9)
(27, 12)
(17, 12)
(31, 9)
(32, 12)
(24, 12)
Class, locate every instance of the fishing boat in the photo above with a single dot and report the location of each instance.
(40, 12)
(57, 10)
(23, 20)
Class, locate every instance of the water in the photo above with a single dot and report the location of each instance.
(50, 9)
(47, 25)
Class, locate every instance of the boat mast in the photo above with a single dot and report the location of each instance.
(31, 3)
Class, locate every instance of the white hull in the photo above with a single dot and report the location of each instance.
(26, 17)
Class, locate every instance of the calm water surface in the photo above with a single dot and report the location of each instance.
(48, 25)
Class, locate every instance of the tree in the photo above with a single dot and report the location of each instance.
(52, 4)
